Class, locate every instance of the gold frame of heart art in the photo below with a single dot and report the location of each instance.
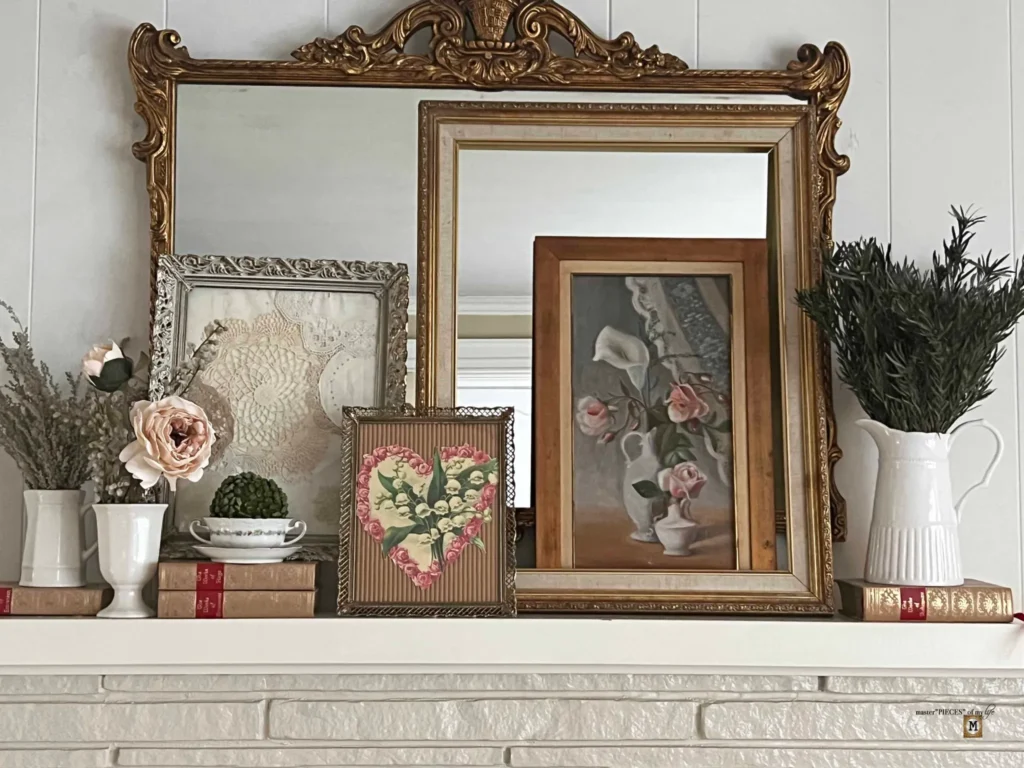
(372, 585)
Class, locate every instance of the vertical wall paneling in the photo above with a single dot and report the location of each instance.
(1016, 30)
(246, 29)
(750, 33)
(18, 39)
(669, 24)
(951, 145)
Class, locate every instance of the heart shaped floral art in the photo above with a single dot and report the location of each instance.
(425, 513)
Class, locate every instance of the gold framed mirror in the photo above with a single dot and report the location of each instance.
(479, 50)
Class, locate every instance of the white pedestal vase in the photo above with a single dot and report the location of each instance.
(675, 532)
(914, 538)
(53, 554)
(129, 545)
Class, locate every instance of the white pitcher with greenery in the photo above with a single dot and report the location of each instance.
(918, 349)
(39, 429)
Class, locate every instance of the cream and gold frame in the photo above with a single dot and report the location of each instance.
(509, 47)
(786, 133)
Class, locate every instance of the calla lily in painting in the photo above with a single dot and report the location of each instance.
(625, 352)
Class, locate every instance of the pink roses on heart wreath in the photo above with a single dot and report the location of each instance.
(173, 439)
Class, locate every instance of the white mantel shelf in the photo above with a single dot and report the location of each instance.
(340, 646)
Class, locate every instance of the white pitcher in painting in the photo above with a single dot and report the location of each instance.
(914, 538)
(644, 466)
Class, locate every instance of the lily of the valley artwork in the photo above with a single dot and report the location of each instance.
(425, 511)
(652, 452)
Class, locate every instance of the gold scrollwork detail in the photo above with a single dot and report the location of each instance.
(488, 60)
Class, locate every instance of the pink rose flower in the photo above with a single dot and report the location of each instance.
(363, 494)
(363, 479)
(682, 481)
(173, 439)
(410, 569)
(399, 555)
(465, 452)
(380, 453)
(423, 580)
(479, 457)
(685, 404)
(455, 549)
(375, 529)
(473, 527)
(435, 568)
(592, 416)
(487, 495)
(448, 453)
(368, 462)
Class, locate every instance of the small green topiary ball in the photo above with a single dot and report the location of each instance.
(247, 495)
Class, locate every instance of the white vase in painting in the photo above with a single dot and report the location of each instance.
(675, 532)
(129, 543)
(914, 538)
(643, 466)
(53, 554)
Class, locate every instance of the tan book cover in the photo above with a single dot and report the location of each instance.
(16, 600)
(231, 577)
(973, 602)
(235, 605)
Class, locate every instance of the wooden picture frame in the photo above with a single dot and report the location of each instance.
(280, 310)
(487, 45)
(427, 513)
(753, 584)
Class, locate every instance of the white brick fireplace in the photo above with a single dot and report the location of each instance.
(528, 692)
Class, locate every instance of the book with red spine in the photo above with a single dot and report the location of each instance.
(219, 604)
(972, 602)
(16, 600)
(232, 577)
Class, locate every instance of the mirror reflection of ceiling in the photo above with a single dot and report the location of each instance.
(332, 173)
(506, 198)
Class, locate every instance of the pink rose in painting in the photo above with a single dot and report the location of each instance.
(399, 556)
(363, 479)
(423, 580)
(592, 416)
(685, 404)
(479, 457)
(465, 452)
(473, 527)
(455, 549)
(435, 568)
(380, 454)
(375, 529)
(368, 462)
(487, 494)
(682, 481)
(363, 494)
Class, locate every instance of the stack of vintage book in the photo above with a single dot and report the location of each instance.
(16, 600)
(203, 590)
(972, 602)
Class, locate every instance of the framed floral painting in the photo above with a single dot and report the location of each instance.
(657, 422)
(427, 513)
(301, 339)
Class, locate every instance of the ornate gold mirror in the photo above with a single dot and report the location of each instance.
(260, 158)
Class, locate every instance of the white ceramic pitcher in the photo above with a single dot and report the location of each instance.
(644, 467)
(53, 554)
(914, 538)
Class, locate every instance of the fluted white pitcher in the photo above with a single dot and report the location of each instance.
(914, 538)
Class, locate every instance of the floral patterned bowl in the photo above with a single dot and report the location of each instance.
(246, 533)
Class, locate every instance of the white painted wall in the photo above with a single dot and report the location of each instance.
(929, 121)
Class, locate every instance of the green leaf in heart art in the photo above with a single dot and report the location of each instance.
(436, 491)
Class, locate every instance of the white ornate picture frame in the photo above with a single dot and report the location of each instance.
(303, 339)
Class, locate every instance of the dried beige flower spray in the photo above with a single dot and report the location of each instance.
(133, 442)
(40, 421)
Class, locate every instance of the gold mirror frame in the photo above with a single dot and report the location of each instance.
(484, 59)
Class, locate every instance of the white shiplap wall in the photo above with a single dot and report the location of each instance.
(929, 121)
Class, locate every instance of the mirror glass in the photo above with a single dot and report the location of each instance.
(332, 173)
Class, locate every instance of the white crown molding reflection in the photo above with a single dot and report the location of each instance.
(489, 305)
(489, 363)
